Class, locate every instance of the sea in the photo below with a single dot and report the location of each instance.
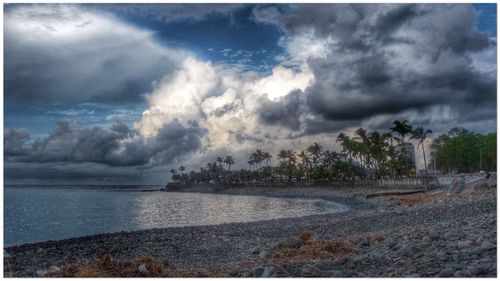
(41, 213)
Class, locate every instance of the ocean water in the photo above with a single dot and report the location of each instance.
(41, 213)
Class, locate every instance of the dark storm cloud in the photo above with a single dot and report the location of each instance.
(285, 112)
(117, 146)
(64, 53)
(14, 142)
(387, 59)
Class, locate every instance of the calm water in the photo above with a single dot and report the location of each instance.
(51, 213)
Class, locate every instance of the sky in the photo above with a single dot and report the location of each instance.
(122, 93)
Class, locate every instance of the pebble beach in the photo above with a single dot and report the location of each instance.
(445, 236)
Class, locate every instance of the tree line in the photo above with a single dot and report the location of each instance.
(365, 155)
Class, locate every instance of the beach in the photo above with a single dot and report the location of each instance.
(437, 233)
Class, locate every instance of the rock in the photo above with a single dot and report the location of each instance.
(408, 251)
(340, 260)
(289, 243)
(477, 270)
(447, 272)
(450, 236)
(390, 242)
(255, 250)
(463, 244)
(264, 254)
(466, 273)
(258, 271)
(143, 269)
(441, 256)
(311, 271)
(487, 245)
(196, 273)
(338, 273)
(424, 245)
(269, 271)
(360, 258)
(54, 269)
(434, 234)
(41, 273)
(235, 272)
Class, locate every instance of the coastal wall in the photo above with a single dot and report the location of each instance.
(339, 184)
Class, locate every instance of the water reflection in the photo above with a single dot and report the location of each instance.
(39, 214)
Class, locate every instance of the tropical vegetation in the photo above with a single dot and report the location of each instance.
(364, 155)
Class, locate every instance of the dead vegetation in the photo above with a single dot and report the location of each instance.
(374, 238)
(106, 266)
(479, 191)
(423, 198)
(312, 248)
(297, 251)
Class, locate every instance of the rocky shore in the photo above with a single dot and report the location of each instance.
(437, 234)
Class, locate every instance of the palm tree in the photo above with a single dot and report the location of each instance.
(229, 161)
(220, 161)
(315, 151)
(266, 156)
(305, 163)
(420, 134)
(402, 128)
(250, 162)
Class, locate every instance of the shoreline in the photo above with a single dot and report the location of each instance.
(213, 245)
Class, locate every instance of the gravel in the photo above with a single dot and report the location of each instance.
(413, 244)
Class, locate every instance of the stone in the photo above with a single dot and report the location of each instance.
(269, 271)
(54, 269)
(288, 243)
(196, 273)
(408, 251)
(340, 260)
(264, 254)
(258, 271)
(390, 242)
(450, 236)
(143, 269)
(447, 272)
(476, 270)
(360, 258)
(255, 250)
(487, 245)
(41, 273)
(434, 234)
(441, 256)
(424, 245)
(309, 270)
(463, 244)
(235, 272)
(466, 273)
(338, 273)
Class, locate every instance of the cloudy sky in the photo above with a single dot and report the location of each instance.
(121, 93)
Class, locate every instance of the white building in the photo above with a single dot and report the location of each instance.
(407, 149)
